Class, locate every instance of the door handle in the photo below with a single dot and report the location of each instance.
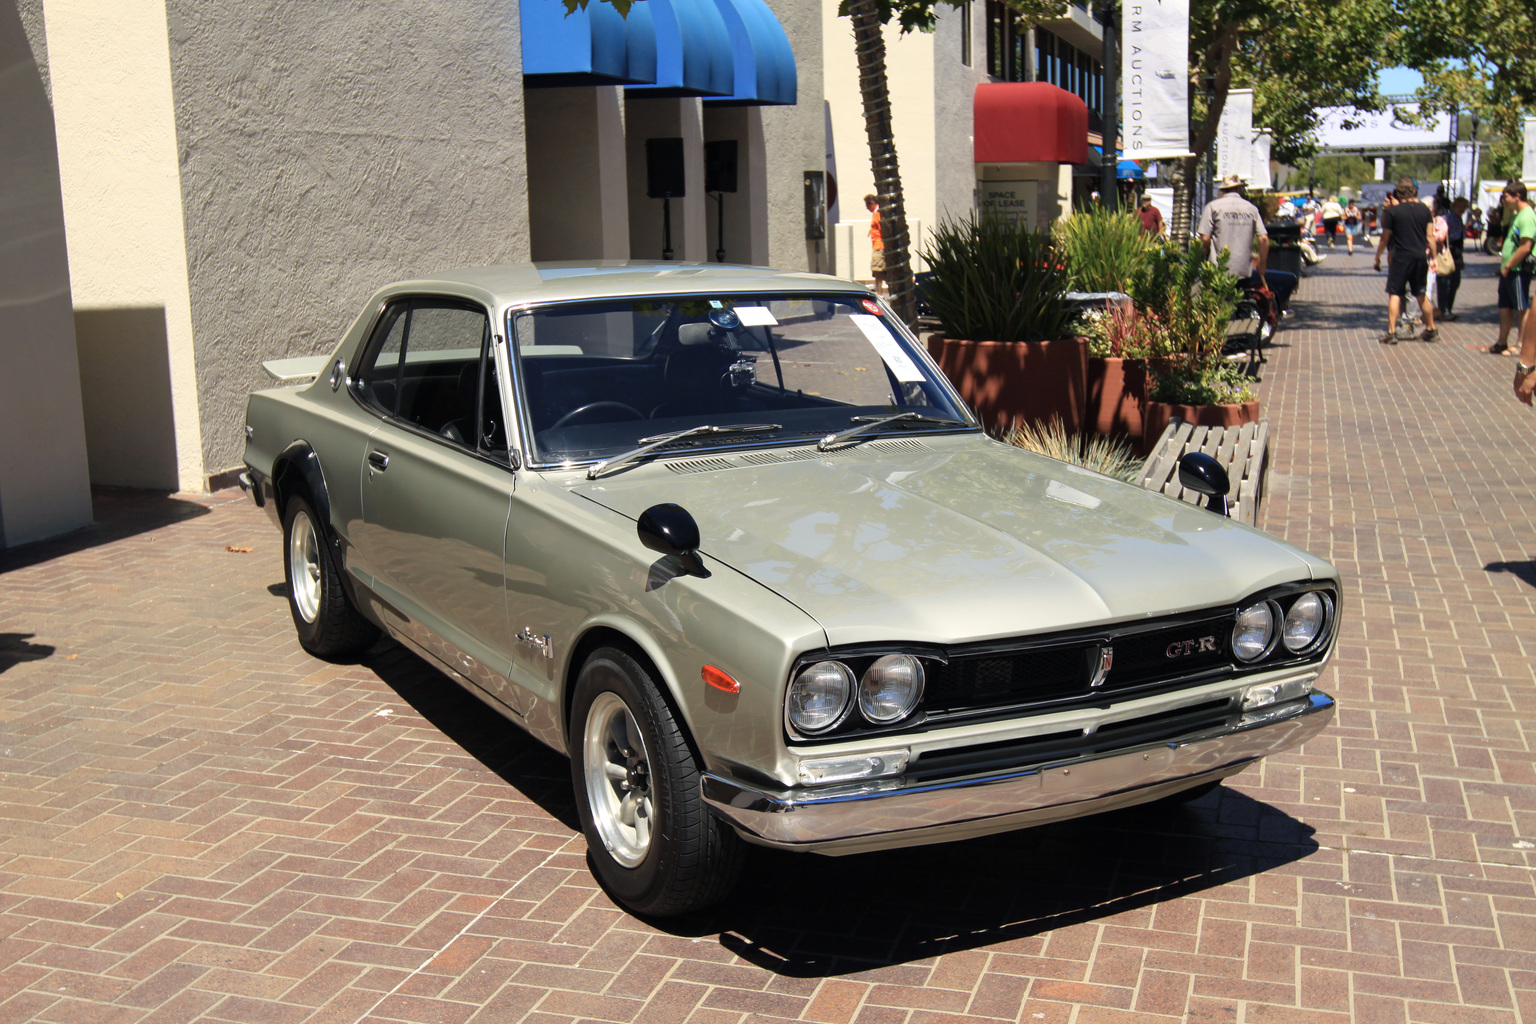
(378, 460)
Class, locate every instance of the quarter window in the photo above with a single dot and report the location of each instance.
(429, 366)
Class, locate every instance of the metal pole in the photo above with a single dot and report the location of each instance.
(1109, 189)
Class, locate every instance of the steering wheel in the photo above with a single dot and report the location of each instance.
(583, 410)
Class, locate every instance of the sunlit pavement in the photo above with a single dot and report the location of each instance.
(201, 822)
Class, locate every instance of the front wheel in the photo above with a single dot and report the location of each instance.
(651, 839)
(323, 616)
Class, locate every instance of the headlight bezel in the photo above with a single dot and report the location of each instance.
(1281, 600)
(858, 660)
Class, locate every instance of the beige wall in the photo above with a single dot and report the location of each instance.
(43, 485)
(122, 211)
(931, 94)
(578, 200)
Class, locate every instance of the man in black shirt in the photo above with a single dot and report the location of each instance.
(1405, 229)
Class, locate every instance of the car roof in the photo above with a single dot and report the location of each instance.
(530, 283)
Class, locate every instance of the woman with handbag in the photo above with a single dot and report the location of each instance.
(1451, 260)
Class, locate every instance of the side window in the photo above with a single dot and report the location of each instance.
(429, 365)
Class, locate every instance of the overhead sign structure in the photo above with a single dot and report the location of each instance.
(1154, 78)
(1385, 130)
(1234, 136)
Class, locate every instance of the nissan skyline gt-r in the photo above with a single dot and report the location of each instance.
(728, 539)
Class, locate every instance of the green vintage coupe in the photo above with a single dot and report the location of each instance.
(729, 540)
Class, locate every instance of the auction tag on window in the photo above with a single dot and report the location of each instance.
(756, 316)
(903, 367)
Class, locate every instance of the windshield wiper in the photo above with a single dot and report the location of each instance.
(651, 444)
(864, 424)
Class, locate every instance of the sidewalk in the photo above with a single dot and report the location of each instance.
(199, 822)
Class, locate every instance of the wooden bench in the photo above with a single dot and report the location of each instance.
(1242, 451)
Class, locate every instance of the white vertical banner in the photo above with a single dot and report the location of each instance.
(1528, 166)
(1154, 78)
(1260, 177)
(1234, 135)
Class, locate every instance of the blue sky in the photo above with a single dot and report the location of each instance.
(1398, 81)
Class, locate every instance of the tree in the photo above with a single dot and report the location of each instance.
(1478, 59)
(1297, 55)
(869, 18)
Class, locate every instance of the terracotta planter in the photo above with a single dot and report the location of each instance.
(1158, 415)
(1117, 396)
(1009, 381)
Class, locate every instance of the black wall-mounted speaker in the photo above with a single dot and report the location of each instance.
(664, 168)
(720, 166)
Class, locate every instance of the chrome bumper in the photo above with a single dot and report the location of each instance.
(890, 813)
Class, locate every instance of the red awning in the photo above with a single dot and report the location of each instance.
(1025, 122)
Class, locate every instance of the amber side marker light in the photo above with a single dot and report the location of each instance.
(719, 680)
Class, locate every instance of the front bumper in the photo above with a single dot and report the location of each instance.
(890, 813)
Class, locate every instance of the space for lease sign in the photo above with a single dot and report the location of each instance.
(1154, 78)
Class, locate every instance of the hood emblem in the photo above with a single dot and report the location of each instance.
(1106, 661)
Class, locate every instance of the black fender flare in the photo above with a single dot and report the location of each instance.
(297, 467)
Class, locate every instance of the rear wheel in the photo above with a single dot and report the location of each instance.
(651, 839)
(327, 623)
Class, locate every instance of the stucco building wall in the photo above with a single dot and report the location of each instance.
(795, 142)
(43, 483)
(324, 150)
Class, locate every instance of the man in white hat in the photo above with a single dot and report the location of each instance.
(1233, 223)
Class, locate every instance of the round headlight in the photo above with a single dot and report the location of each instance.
(891, 688)
(1254, 632)
(819, 697)
(1304, 622)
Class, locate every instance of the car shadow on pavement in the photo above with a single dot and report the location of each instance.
(804, 915)
(117, 513)
(15, 649)
(534, 770)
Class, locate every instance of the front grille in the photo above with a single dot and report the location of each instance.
(1051, 673)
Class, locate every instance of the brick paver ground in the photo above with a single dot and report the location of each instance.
(197, 821)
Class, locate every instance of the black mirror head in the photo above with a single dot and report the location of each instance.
(1203, 474)
(670, 529)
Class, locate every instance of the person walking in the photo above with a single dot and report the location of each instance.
(1332, 214)
(1519, 222)
(1352, 226)
(877, 244)
(1151, 218)
(1446, 285)
(1233, 223)
(1405, 230)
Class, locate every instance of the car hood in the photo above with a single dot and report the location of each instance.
(954, 538)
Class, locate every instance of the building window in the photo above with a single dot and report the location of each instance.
(965, 33)
(1006, 39)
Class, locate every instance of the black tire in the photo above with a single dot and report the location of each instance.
(327, 623)
(686, 859)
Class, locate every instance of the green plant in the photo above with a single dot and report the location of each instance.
(1111, 456)
(1102, 251)
(993, 279)
(1193, 298)
(1123, 332)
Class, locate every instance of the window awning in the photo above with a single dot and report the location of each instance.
(593, 46)
(728, 51)
(693, 50)
(1029, 122)
(764, 63)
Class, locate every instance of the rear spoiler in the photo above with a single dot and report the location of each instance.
(295, 371)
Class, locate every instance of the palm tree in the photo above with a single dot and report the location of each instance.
(869, 47)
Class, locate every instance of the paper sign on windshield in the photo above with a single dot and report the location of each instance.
(903, 367)
(756, 316)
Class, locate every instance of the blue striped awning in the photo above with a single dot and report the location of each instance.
(764, 62)
(728, 51)
(693, 50)
(593, 46)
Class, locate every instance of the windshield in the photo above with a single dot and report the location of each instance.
(598, 378)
